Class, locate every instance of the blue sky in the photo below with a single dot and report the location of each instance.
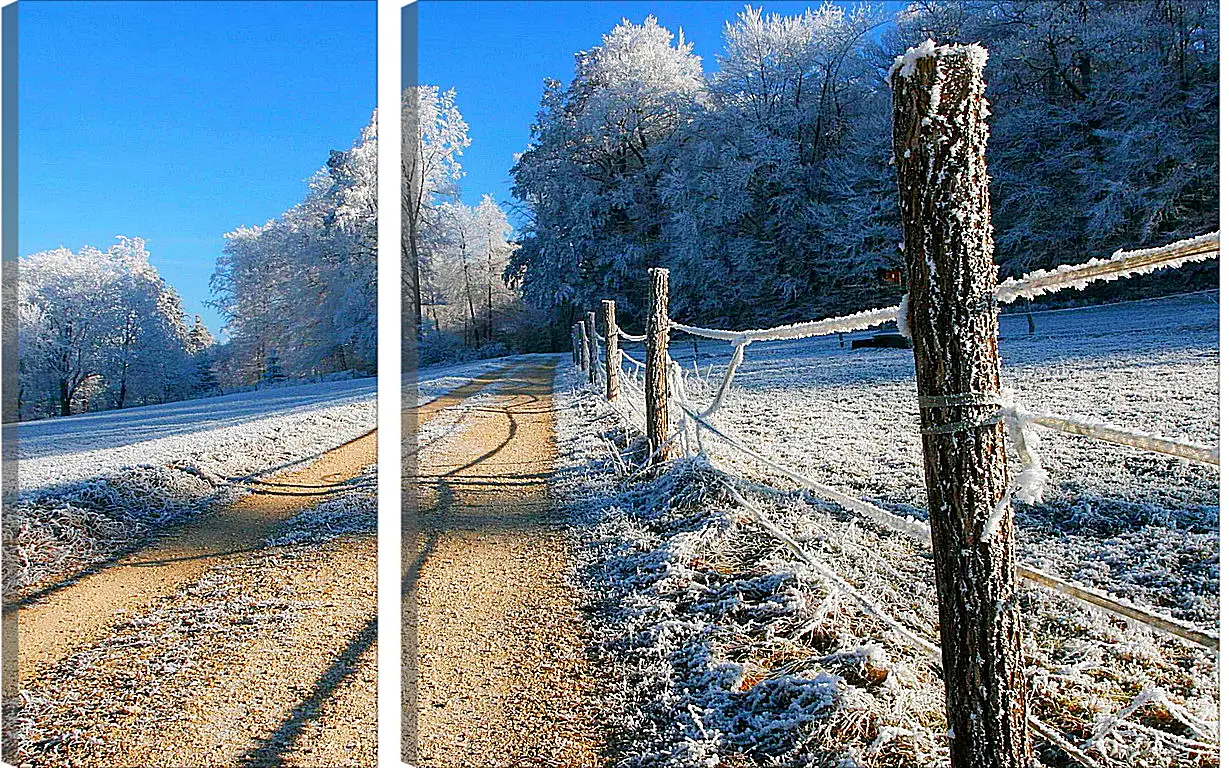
(180, 121)
(496, 55)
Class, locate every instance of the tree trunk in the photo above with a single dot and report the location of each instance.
(415, 281)
(939, 136)
(66, 398)
(657, 365)
(469, 297)
(612, 350)
(490, 295)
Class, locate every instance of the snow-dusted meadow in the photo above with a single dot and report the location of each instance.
(229, 436)
(94, 484)
(724, 640)
(1138, 524)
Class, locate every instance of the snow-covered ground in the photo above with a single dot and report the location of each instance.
(94, 484)
(229, 436)
(722, 639)
(1141, 525)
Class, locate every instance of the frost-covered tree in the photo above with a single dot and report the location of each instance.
(301, 288)
(469, 299)
(766, 186)
(99, 329)
(433, 137)
(1104, 120)
(591, 179)
(775, 198)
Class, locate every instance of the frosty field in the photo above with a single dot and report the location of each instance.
(95, 484)
(724, 641)
(227, 435)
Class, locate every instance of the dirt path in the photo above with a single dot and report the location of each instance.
(210, 648)
(502, 679)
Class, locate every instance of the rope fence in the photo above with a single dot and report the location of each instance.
(692, 422)
(950, 314)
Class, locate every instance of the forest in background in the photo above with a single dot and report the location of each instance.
(103, 329)
(766, 186)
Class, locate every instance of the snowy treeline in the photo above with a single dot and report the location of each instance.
(455, 255)
(299, 292)
(101, 329)
(766, 185)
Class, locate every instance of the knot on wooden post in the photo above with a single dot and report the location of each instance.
(657, 368)
(939, 141)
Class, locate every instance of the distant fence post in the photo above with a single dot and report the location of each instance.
(575, 352)
(612, 350)
(591, 324)
(939, 138)
(657, 366)
(582, 346)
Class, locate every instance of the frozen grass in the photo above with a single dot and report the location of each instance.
(697, 608)
(352, 511)
(215, 433)
(79, 508)
(1139, 525)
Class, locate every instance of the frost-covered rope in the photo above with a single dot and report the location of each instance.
(920, 531)
(631, 359)
(1121, 264)
(914, 528)
(629, 337)
(1079, 276)
(1076, 425)
(735, 360)
(858, 321)
(1135, 614)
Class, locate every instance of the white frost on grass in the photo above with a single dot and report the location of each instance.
(351, 510)
(1139, 525)
(228, 436)
(708, 626)
(78, 507)
(661, 553)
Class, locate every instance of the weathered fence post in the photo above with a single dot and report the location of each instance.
(575, 353)
(939, 137)
(657, 365)
(612, 350)
(591, 323)
(582, 347)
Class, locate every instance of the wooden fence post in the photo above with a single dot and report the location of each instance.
(591, 322)
(939, 138)
(657, 365)
(612, 350)
(583, 346)
(575, 355)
